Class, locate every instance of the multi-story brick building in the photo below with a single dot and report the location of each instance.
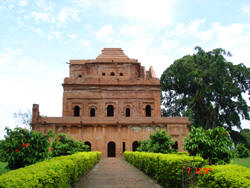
(111, 103)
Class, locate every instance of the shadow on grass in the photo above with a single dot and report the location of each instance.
(243, 162)
(3, 168)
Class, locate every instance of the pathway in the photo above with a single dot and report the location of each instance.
(116, 173)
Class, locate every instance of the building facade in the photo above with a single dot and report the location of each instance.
(111, 103)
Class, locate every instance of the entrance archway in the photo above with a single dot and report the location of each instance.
(135, 145)
(111, 149)
(88, 144)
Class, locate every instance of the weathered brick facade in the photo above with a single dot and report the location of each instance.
(110, 103)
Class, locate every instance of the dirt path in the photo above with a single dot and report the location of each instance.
(114, 173)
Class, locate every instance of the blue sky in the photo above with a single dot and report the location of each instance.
(38, 37)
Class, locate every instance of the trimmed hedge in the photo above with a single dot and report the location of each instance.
(58, 172)
(225, 176)
(166, 169)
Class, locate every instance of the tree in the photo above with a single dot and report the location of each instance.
(22, 147)
(212, 144)
(206, 88)
(66, 146)
(23, 118)
(160, 142)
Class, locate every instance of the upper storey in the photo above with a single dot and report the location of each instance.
(113, 65)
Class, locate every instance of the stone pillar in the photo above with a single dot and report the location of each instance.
(35, 113)
(104, 144)
(119, 147)
(95, 148)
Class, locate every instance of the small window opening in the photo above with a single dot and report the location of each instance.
(110, 111)
(148, 111)
(121, 74)
(92, 112)
(79, 75)
(103, 74)
(76, 111)
(127, 112)
(112, 74)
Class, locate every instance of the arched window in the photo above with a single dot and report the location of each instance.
(76, 111)
(148, 111)
(92, 112)
(103, 73)
(121, 74)
(127, 112)
(110, 111)
(135, 145)
(88, 144)
(112, 74)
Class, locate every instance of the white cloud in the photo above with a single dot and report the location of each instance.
(23, 3)
(54, 35)
(6, 57)
(105, 33)
(246, 9)
(85, 42)
(132, 30)
(73, 36)
(151, 12)
(40, 16)
(66, 13)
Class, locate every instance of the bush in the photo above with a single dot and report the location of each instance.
(23, 147)
(66, 146)
(58, 172)
(165, 168)
(242, 151)
(160, 142)
(212, 144)
(225, 176)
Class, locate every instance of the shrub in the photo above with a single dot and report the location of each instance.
(58, 172)
(225, 176)
(23, 147)
(165, 168)
(212, 144)
(242, 151)
(66, 146)
(160, 142)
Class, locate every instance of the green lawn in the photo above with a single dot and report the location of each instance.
(243, 162)
(2, 168)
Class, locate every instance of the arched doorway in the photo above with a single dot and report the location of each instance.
(88, 144)
(111, 149)
(135, 145)
(175, 146)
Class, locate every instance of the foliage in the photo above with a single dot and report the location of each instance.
(212, 144)
(63, 145)
(206, 88)
(160, 142)
(241, 161)
(242, 151)
(23, 147)
(225, 176)
(58, 172)
(245, 133)
(166, 169)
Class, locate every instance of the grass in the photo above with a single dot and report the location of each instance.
(2, 167)
(243, 162)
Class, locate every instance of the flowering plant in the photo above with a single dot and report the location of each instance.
(23, 147)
